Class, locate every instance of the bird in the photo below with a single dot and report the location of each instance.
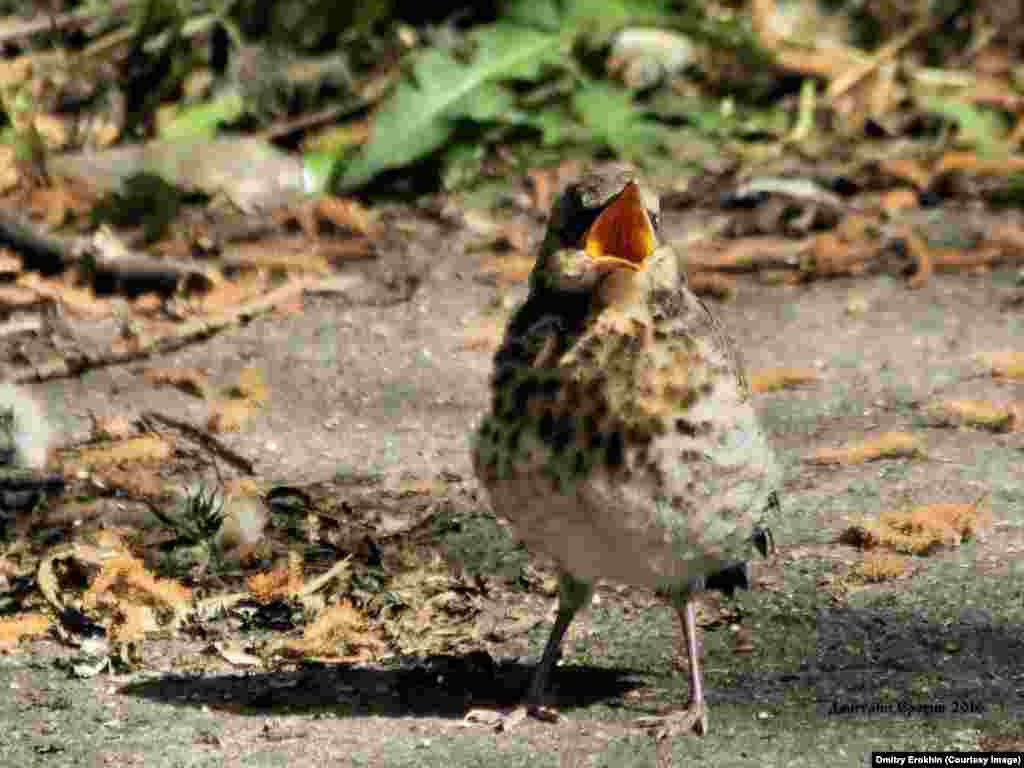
(621, 440)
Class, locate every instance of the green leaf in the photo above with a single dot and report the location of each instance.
(613, 119)
(317, 168)
(557, 127)
(204, 119)
(420, 115)
(983, 129)
(490, 102)
(578, 16)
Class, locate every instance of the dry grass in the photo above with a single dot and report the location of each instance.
(888, 445)
(920, 530)
(774, 379)
(980, 414)
(877, 567)
(1007, 365)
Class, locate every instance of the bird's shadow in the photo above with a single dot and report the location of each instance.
(435, 686)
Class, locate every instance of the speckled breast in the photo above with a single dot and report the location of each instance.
(632, 453)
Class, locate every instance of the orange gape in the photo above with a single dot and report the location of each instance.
(622, 236)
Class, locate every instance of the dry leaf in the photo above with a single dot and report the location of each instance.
(141, 449)
(251, 386)
(347, 213)
(886, 446)
(880, 566)
(713, 284)
(283, 254)
(906, 169)
(117, 427)
(744, 254)
(191, 381)
(340, 631)
(921, 253)
(983, 414)
(1008, 365)
(13, 629)
(77, 301)
(899, 199)
(270, 585)
(999, 165)
(507, 269)
(830, 255)
(773, 379)
(227, 295)
(230, 415)
(10, 174)
(922, 529)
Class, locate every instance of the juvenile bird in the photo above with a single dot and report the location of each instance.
(621, 439)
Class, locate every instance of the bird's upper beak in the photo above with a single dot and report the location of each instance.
(622, 237)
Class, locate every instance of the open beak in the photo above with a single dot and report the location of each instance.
(623, 235)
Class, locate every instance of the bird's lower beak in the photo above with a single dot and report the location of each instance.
(622, 237)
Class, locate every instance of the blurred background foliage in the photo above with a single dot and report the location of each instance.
(397, 97)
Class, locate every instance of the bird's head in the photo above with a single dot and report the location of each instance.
(604, 223)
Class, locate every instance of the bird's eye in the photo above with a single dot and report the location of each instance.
(655, 220)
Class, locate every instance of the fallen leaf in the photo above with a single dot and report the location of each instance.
(713, 284)
(142, 449)
(773, 379)
(880, 566)
(886, 446)
(1008, 365)
(14, 629)
(922, 529)
(191, 381)
(983, 414)
(230, 415)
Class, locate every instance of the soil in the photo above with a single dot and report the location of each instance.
(367, 385)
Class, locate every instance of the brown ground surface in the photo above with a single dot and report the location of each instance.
(389, 389)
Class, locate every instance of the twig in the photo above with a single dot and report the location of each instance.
(851, 77)
(48, 22)
(205, 439)
(186, 333)
(746, 254)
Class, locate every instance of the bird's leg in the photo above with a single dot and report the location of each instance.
(572, 595)
(694, 718)
(695, 713)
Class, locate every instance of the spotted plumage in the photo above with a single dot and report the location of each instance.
(621, 440)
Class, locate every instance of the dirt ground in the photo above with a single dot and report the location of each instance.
(368, 386)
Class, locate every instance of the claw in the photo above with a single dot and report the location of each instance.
(694, 719)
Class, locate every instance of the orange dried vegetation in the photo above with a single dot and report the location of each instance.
(1007, 365)
(922, 529)
(141, 449)
(340, 631)
(880, 566)
(706, 283)
(284, 580)
(126, 578)
(773, 379)
(15, 628)
(888, 445)
(191, 381)
(981, 414)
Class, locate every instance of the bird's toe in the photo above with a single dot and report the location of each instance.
(693, 719)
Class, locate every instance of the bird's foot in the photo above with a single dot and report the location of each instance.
(533, 712)
(693, 719)
(506, 721)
